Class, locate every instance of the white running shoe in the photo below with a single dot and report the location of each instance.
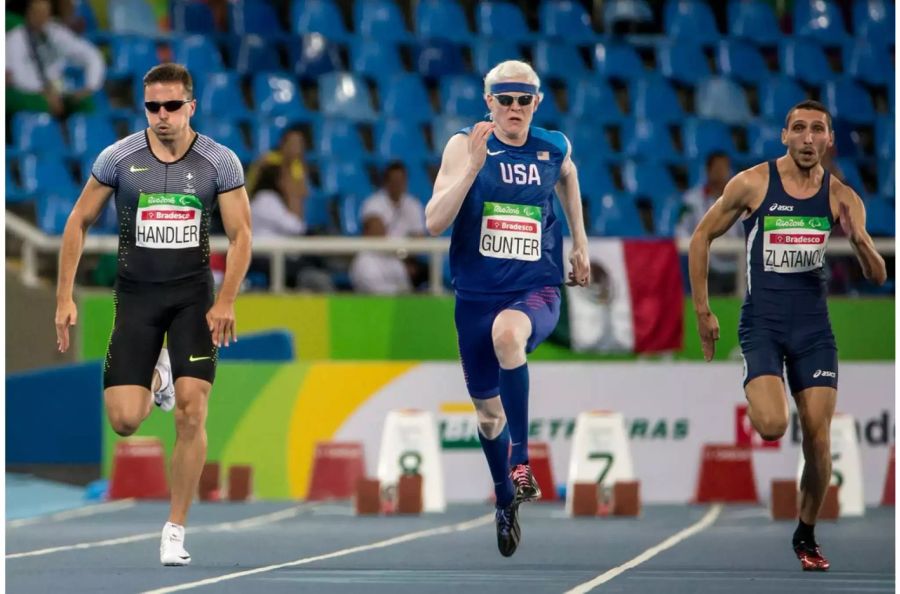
(165, 396)
(171, 546)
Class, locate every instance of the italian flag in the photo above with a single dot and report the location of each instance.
(634, 304)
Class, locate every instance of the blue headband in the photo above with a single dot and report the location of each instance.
(514, 87)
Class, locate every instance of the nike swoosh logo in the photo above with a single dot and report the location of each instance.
(495, 153)
(194, 359)
(138, 169)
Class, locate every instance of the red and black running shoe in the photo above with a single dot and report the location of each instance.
(810, 555)
(526, 486)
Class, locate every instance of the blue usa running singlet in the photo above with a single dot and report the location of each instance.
(506, 236)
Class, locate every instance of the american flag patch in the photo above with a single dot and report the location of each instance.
(543, 156)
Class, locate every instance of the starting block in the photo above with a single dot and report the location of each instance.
(409, 494)
(783, 500)
(410, 447)
(591, 499)
(139, 469)
(600, 458)
(337, 466)
(240, 482)
(539, 460)
(726, 475)
(887, 495)
(367, 499)
(407, 498)
(208, 489)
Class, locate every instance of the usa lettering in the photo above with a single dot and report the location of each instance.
(519, 174)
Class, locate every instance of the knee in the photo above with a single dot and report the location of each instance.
(122, 424)
(818, 442)
(491, 424)
(190, 416)
(507, 343)
(772, 427)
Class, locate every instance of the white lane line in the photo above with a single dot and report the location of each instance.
(701, 525)
(88, 510)
(409, 537)
(220, 527)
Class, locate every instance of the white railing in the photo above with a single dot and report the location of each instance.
(35, 241)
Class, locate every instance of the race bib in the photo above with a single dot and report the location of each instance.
(794, 244)
(168, 221)
(511, 231)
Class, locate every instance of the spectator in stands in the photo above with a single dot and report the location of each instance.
(291, 156)
(37, 54)
(390, 212)
(696, 201)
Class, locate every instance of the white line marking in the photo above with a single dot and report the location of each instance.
(88, 510)
(704, 523)
(411, 536)
(222, 527)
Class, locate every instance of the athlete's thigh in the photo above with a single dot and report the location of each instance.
(136, 339)
(815, 407)
(812, 358)
(191, 348)
(474, 321)
(542, 308)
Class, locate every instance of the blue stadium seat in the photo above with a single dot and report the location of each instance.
(84, 11)
(777, 95)
(741, 61)
(318, 16)
(37, 133)
(722, 99)
(559, 61)
(547, 114)
(400, 140)
(880, 217)
(253, 54)
(314, 56)
(199, 54)
(349, 210)
(804, 60)
(317, 210)
(849, 101)
(502, 21)
(342, 178)
(276, 95)
(445, 126)
(588, 138)
(419, 182)
(405, 97)
(14, 192)
(886, 176)
(866, 62)
(654, 99)
(222, 97)
(131, 57)
(626, 11)
(884, 137)
(228, 133)
(560, 214)
(616, 216)
(567, 20)
(339, 140)
(667, 212)
(435, 58)
(487, 53)
(45, 174)
(764, 140)
(701, 137)
(269, 132)
(90, 133)
(849, 169)
(592, 98)
(648, 178)
(618, 61)
(380, 20)
(874, 20)
(463, 96)
(53, 211)
(594, 177)
(646, 140)
(690, 19)
(345, 95)
(442, 19)
(133, 17)
(753, 21)
(821, 20)
(682, 61)
(376, 59)
(255, 17)
(192, 16)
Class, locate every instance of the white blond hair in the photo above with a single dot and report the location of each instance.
(512, 70)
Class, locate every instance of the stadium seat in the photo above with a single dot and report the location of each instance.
(199, 54)
(435, 58)
(14, 192)
(625, 11)
(648, 178)
(884, 137)
(547, 114)
(722, 99)
(222, 97)
(44, 174)
(561, 220)
(269, 132)
(345, 95)
(594, 177)
(502, 21)
(400, 140)
(227, 132)
(618, 61)
(886, 176)
(866, 62)
(592, 98)
(339, 139)
(37, 133)
(445, 126)
(317, 210)
(255, 17)
(314, 56)
(804, 60)
(880, 215)
(192, 16)
(442, 19)
(559, 61)
(487, 53)
(667, 211)
(654, 99)
(821, 20)
(253, 54)
(764, 140)
(376, 59)
(90, 133)
(53, 211)
(343, 178)
(753, 21)
(318, 16)
(849, 169)
(419, 182)
(682, 61)
(588, 138)
(873, 20)
(463, 96)
(690, 19)
(85, 12)
(616, 216)
(647, 140)
(742, 62)
(405, 97)
(132, 56)
(566, 20)
(276, 95)
(132, 17)
(380, 20)
(848, 101)
(777, 95)
(701, 137)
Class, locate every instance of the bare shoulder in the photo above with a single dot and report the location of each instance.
(747, 189)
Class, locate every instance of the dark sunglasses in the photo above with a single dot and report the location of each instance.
(174, 105)
(507, 100)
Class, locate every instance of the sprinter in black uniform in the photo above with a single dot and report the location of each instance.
(166, 180)
(789, 207)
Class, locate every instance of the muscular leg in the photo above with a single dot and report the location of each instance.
(494, 437)
(189, 454)
(816, 408)
(510, 332)
(127, 407)
(768, 406)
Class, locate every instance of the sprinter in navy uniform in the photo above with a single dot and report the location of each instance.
(789, 207)
(496, 186)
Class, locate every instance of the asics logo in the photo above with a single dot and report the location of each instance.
(495, 153)
(824, 373)
(134, 169)
(194, 359)
(781, 208)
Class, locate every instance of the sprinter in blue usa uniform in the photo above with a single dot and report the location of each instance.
(789, 207)
(496, 186)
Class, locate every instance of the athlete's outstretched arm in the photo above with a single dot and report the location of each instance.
(86, 210)
(463, 158)
(717, 220)
(569, 193)
(853, 220)
(235, 208)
